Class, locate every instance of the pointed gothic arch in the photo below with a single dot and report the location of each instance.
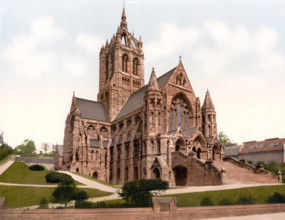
(125, 60)
(180, 112)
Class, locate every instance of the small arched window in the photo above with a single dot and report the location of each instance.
(135, 66)
(107, 69)
(124, 40)
(125, 63)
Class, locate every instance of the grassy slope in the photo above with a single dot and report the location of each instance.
(4, 160)
(259, 194)
(22, 196)
(19, 172)
(99, 181)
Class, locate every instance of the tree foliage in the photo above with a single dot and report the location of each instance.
(55, 177)
(26, 148)
(45, 147)
(5, 150)
(223, 138)
(64, 193)
(138, 193)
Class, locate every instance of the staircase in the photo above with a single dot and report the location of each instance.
(237, 174)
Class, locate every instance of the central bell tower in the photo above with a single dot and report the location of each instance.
(121, 69)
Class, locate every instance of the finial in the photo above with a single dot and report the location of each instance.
(153, 69)
(74, 93)
(180, 58)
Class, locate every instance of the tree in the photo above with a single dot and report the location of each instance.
(64, 193)
(5, 150)
(45, 147)
(27, 147)
(223, 138)
(138, 193)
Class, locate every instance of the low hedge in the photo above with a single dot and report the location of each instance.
(55, 177)
(36, 167)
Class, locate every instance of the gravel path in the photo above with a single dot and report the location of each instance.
(5, 166)
(90, 183)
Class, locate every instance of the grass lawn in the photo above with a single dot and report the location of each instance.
(258, 194)
(99, 181)
(19, 172)
(22, 196)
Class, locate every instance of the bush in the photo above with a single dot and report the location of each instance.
(138, 193)
(276, 198)
(43, 204)
(36, 167)
(5, 150)
(84, 205)
(55, 177)
(225, 201)
(206, 202)
(80, 196)
(245, 200)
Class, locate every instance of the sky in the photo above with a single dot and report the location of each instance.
(235, 49)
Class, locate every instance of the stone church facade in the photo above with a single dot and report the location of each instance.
(137, 131)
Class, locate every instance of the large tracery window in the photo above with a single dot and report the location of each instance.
(125, 63)
(135, 66)
(179, 114)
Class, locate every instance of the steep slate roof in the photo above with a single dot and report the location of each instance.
(135, 101)
(92, 110)
(232, 150)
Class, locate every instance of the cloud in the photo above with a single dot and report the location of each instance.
(90, 43)
(75, 67)
(171, 40)
(28, 55)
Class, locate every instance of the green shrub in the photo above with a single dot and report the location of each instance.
(36, 167)
(206, 202)
(250, 161)
(80, 195)
(245, 200)
(138, 193)
(5, 150)
(43, 204)
(276, 198)
(225, 201)
(55, 177)
(81, 204)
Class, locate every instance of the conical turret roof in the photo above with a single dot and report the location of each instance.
(152, 84)
(208, 104)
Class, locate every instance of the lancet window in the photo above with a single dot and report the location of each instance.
(125, 63)
(179, 114)
(135, 66)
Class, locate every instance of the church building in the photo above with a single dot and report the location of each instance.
(142, 131)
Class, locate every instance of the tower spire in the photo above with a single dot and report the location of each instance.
(124, 19)
(152, 84)
(208, 104)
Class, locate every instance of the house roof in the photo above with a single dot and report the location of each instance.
(232, 150)
(135, 101)
(261, 146)
(92, 110)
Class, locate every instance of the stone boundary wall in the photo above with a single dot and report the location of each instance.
(140, 213)
(48, 162)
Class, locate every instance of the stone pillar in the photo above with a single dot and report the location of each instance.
(279, 176)
(223, 176)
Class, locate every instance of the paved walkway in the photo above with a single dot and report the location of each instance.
(5, 166)
(275, 216)
(214, 188)
(90, 183)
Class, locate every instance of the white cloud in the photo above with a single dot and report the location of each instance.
(90, 43)
(171, 40)
(75, 67)
(27, 56)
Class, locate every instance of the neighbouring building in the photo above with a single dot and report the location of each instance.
(266, 151)
(137, 131)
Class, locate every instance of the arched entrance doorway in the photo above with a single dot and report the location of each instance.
(180, 174)
(156, 173)
(95, 175)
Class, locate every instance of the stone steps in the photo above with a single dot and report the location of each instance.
(236, 174)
